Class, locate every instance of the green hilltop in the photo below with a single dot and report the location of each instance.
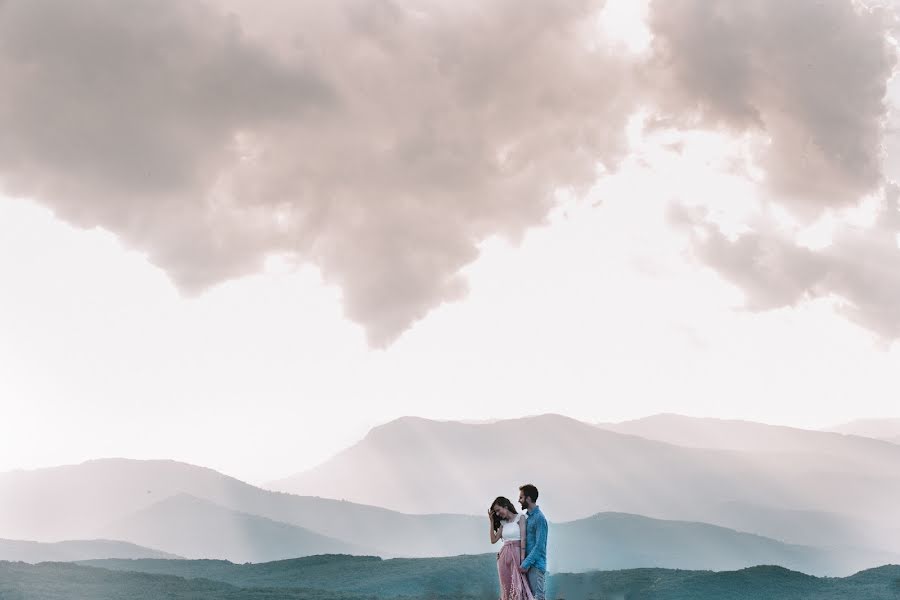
(340, 577)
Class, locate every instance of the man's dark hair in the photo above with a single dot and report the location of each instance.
(530, 491)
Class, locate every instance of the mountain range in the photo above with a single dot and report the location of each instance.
(419, 465)
(195, 527)
(73, 550)
(883, 429)
(101, 497)
(748, 436)
(619, 496)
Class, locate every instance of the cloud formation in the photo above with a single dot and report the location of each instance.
(379, 140)
(383, 141)
(811, 76)
(861, 266)
(126, 115)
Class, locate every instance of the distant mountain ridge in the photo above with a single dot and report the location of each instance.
(611, 541)
(882, 429)
(197, 528)
(73, 550)
(192, 526)
(60, 502)
(738, 435)
(583, 469)
(795, 487)
(851, 454)
(805, 527)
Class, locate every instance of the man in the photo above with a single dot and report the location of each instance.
(535, 563)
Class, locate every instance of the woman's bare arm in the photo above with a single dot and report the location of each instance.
(524, 534)
(495, 534)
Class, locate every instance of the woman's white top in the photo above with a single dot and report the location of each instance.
(510, 529)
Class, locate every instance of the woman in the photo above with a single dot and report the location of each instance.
(507, 525)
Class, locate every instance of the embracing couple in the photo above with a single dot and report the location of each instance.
(522, 562)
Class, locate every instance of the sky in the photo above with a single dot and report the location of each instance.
(241, 236)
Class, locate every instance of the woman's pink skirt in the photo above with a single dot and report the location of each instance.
(513, 583)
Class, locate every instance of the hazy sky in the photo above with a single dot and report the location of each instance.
(240, 236)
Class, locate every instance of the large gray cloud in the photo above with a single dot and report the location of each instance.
(380, 140)
(861, 266)
(124, 115)
(810, 75)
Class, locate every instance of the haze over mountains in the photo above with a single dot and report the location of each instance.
(611, 541)
(100, 495)
(197, 528)
(71, 550)
(812, 501)
(584, 469)
(883, 429)
(852, 452)
(748, 436)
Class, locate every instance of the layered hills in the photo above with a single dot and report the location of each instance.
(618, 496)
(72, 550)
(702, 467)
(463, 578)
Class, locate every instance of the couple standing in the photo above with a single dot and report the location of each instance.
(522, 562)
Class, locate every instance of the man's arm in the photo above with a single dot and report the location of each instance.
(523, 534)
(540, 539)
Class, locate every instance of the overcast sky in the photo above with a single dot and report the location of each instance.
(239, 235)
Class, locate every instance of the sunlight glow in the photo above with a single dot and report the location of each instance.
(625, 23)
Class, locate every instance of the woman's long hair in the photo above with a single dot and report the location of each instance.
(505, 503)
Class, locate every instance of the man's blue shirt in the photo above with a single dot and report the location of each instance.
(535, 540)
